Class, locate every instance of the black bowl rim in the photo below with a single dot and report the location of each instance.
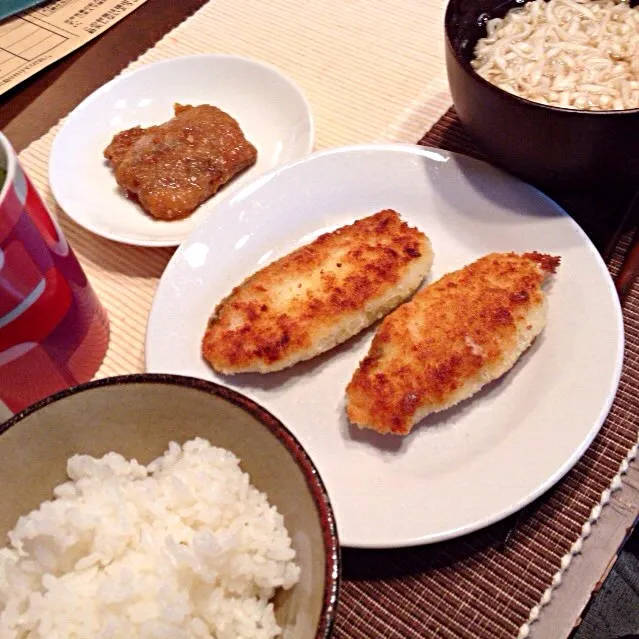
(516, 98)
(332, 572)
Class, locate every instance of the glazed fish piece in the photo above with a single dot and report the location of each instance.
(317, 296)
(456, 335)
(174, 167)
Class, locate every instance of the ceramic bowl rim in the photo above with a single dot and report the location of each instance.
(465, 65)
(332, 572)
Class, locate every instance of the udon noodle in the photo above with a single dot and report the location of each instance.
(576, 54)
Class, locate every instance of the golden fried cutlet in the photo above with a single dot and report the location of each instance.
(173, 167)
(122, 143)
(456, 335)
(317, 296)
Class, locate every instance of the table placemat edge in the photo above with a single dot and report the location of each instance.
(616, 483)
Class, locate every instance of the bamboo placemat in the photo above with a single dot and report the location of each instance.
(472, 588)
(374, 71)
(362, 87)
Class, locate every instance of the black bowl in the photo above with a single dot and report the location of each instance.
(549, 146)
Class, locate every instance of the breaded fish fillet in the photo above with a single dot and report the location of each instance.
(456, 335)
(173, 167)
(317, 296)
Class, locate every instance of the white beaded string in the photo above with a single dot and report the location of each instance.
(576, 548)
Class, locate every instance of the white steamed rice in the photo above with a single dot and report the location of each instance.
(183, 548)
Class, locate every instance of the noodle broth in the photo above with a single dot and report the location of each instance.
(573, 54)
(545, 144)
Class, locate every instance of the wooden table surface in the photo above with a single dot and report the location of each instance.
(29, 110)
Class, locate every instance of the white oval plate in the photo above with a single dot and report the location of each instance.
(272, 112)
(460, 469)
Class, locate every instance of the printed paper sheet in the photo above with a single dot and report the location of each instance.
(34, 39)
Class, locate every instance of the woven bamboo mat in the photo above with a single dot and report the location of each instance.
(472, 587)
(374, 71)
(344, 55)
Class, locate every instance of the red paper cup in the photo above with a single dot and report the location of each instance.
(53, 330)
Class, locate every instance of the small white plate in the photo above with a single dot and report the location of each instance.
(460, 469)
(271, 110)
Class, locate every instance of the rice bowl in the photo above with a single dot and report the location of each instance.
(183, 547)
(160, 547)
